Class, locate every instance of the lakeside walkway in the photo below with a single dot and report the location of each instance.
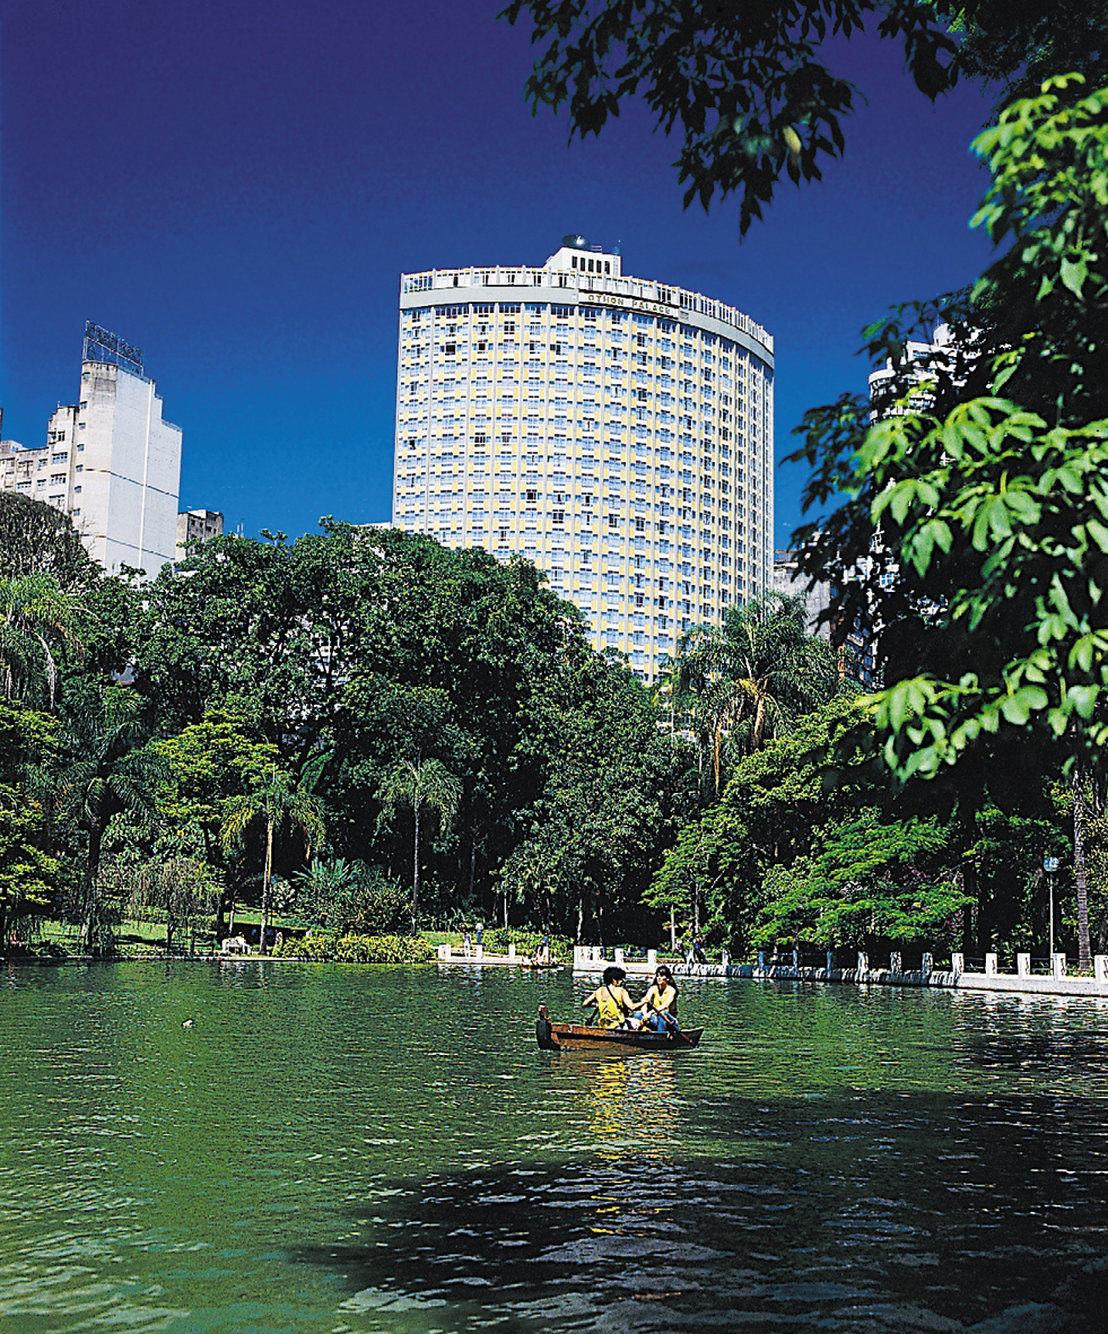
(590, 960)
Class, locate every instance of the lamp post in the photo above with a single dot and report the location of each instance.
(1050, 865)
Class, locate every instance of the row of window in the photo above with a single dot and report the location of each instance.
(612, 316)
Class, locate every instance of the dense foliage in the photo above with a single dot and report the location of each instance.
(352, 948)
(334, 726)
(375, 732)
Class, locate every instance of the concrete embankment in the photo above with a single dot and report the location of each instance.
(589, 961)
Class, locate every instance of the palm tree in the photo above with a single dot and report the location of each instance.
(34, 611)
(111, 770)
(279, 801)
(418, 784)
(758, 671)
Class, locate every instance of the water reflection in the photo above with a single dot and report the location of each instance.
(631, 1098)
(350, 1149)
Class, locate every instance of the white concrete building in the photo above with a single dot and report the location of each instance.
(617, 431)
(896, 392)
(110, 461)
(197, 526)
(789, 582)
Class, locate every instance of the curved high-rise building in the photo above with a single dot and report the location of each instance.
(616, 431)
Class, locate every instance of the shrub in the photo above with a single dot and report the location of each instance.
(527, 942)
(351, 897)
(330, 945)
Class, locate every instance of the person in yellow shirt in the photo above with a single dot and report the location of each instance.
(659, 1005)
(611, 1000)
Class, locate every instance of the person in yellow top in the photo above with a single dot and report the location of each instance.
(659, 1005)
(611, 1000)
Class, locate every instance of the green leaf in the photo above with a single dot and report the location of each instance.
(1074, 273)
(1018, 707)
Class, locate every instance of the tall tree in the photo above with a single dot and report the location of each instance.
(36, 617)
(278, 801)
(110, 769)
(757, 671)
(36, 538)
(993, 501)
(421, 784)
(1080, 871)
(32, 874)
(208, 763)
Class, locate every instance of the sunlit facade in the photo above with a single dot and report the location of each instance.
(111, 461)
(616, 431)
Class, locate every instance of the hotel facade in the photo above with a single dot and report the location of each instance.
(614, 430)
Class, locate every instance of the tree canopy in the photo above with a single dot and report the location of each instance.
(748, 89)
(991, 504)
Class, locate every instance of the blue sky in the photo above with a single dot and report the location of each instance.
(237, 187)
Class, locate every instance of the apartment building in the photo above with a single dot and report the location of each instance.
(110, 460)
(617, 431)
(195, 526)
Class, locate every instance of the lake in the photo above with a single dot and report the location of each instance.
(332, 1148)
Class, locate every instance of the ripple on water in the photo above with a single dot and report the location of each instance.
(358, 1149)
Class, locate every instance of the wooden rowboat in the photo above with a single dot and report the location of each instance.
(579, 1037)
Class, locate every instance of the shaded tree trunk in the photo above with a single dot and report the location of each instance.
(716, 744)
(224, 908)
(1080, 877)
(265, 885)
(92, 879)
(415, 871)
(760, 715)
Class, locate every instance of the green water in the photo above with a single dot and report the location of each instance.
(363, 1149)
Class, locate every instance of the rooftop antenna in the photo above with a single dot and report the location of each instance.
(616, 248)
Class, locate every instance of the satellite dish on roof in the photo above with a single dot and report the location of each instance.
(576, 241)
